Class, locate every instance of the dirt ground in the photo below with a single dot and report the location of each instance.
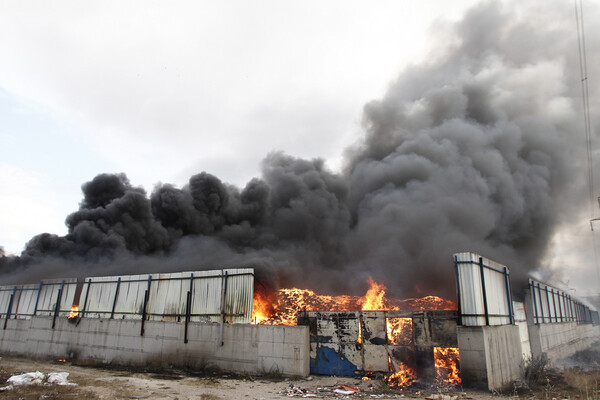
(103, 383)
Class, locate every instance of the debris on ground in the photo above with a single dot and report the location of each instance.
(346, 390)
(59, 378)
(441, 397)
(27, 378)
(39, 378)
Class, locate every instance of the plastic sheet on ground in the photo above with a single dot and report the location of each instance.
(38, 378)
(27, 378)
(60, 378)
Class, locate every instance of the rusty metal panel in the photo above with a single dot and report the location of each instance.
(351, 343)
(5, 295)
(374, 328)
(25, 301)
(334, 348)
(442, 328)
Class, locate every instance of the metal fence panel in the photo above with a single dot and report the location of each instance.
(483, 290)
(25, 304)
(553, 305)
(219, 295)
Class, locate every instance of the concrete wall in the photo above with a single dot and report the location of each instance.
(251, 349)
(351, 343)
(559, 340)
(490, 356)
(521, 321)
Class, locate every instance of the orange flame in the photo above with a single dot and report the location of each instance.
(399, 331)
(74, 312)
(360, 336)
(403, 375)
(446, 364)
(280, 307)
(375, 297)
(262, 307)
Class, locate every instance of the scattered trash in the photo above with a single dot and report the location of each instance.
(441, 397)
(38, 378)
(59, 378)
(345, 389)
(349, 388)
(27, 378)
(5, 388)
(292, 390)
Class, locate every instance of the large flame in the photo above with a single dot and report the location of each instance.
(281, 307)
(262, 306)
(446, 364)
(375, 297)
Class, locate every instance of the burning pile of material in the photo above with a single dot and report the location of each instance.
(280, 307)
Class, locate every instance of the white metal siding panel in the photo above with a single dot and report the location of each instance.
(239, 297)
(5, 299)
(207, 298)
(471, 290)
(48, 297)
(100, 296)
(130, 299)
(167, 296)
(25, 304)
(66, 299)
(471, 293)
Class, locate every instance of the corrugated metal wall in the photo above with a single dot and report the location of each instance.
(554, 305)
(213, 294)
(484, 293)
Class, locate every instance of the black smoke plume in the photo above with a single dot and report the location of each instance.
(478, 148)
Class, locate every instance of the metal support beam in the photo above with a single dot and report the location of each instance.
(112, 313)
(37, 300)
(57, 308)
(484, 292)
(223, 308)
(458, 290)
(10, 304)
(508, 296)
(188, 306)
(146, 295)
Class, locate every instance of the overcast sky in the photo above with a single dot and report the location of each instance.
(164, 90)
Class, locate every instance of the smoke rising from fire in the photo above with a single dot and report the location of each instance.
(474, 149)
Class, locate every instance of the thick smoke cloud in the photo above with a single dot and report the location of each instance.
(474, 149)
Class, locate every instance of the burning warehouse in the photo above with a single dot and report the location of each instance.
(399, 339)
(220, 318)
(472, 149)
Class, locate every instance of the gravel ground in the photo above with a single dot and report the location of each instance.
(110, 383)
(103, 383)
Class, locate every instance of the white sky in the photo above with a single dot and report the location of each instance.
(164, 90)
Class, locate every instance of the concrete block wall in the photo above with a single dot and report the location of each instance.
(253, 349)
(490, 356)
(556, 341)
